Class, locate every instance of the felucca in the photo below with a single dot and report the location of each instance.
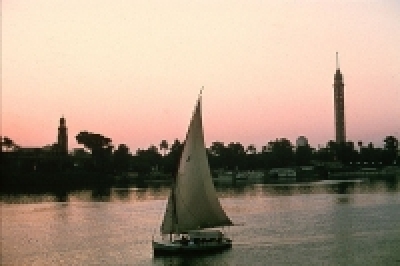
(193, 209)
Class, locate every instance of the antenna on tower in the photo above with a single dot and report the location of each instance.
(337, 60)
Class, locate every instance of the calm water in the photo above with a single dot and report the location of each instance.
(324, 223)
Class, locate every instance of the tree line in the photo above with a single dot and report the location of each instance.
(98, 163)
(99, 154)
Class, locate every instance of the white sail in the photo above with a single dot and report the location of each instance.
(193, 203)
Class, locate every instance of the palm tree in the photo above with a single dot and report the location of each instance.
(391, 143)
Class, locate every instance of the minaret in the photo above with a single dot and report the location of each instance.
(62, 139)
(338, 87)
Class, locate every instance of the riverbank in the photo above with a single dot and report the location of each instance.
(81, 180)
(55, 181)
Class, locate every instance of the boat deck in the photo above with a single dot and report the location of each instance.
(179, 247)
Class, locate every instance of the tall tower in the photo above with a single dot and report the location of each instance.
(338, 87)
(62, 139)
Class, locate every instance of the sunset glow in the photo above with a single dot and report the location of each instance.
(132, 70)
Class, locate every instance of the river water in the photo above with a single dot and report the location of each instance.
(324, 223)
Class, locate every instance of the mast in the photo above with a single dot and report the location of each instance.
(173, 216)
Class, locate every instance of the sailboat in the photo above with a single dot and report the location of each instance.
(193, 210)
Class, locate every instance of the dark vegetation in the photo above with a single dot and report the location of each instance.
(99, 164)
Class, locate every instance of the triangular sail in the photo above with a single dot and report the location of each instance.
(193, 203)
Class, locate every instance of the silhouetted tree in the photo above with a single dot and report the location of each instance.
(251, 149)
(99, 146)
(265, 158)
(369, 155)
(146, 160)
(235, 156)
(164, 146)
(303, 155)
(345, 152)
(390, 155)
(122, 158)
(216, 155)
(252, 158)
(332, 149)
(81, 158)
(281, 152)
(7, 143)
(360, 144)
(93, 141)
(80, 153)
(171, 160)
(217, 148)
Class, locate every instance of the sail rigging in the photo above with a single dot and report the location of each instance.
(193, 203)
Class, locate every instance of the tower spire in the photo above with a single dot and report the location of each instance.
(339, 104)
(337, 60)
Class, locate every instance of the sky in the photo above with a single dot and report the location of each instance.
(132, 70)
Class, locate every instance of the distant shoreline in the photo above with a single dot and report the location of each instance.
(70, 181)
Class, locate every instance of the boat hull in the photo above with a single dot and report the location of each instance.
(179, 248)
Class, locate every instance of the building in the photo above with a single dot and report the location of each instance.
(338, 87)
(62, 138)
(16, 159)
(301, 141)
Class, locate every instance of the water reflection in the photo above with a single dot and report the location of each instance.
(61, 196)
(326, 222)
(342, 225)
(392, 185)
(343, 188)
(122, 194)
(101, 194)
(208, 259)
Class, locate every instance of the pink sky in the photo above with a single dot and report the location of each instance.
(132, 70)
